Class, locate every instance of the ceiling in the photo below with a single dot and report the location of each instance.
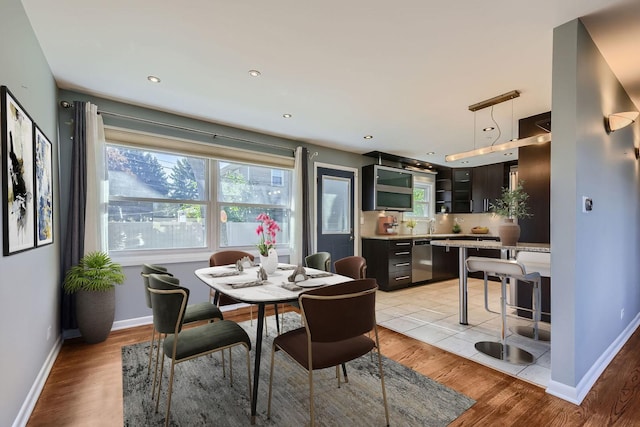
(404, 73)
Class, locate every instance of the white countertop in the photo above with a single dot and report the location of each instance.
(491, 244)
(429, 236)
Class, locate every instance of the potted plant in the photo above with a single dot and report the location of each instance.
(511, 205)
(93, 281)
(266, 232)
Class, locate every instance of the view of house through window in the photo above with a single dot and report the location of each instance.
(423, 197)
(160, 200)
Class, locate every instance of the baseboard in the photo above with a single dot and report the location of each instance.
(131, 323)
(577, 394)
(34, 393)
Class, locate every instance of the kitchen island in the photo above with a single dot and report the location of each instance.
(463, 245)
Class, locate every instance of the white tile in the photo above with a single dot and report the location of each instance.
(429, 334)
(402, 324)
(457, 346)
(536, 374)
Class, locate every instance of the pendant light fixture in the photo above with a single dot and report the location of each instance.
(513, 143)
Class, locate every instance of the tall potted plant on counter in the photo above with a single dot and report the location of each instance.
(511, 205)
(93, 281)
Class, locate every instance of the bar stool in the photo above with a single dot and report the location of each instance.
(504, 269)
(541, 263)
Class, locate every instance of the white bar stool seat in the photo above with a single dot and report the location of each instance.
(504, 269)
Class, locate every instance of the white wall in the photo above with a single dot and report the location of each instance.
(594, 262)
(29, 284)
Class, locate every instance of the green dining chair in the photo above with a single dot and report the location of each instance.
(169, 302)
(319, 261)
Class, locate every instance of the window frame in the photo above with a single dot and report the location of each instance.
(213, 205)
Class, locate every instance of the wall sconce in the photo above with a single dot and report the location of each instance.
(616, 121)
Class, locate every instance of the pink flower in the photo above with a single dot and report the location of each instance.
(268, 227)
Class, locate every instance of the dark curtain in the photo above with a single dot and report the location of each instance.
(74, 242)
(306, 208)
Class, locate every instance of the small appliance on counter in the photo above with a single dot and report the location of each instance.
(387, 225)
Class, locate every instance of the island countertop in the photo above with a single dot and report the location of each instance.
(491, 244)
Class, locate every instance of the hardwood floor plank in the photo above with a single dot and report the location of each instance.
(84, 387)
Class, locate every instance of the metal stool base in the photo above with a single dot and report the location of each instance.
(529, 332)
(506, 352)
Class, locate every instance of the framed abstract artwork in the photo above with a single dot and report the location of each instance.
(44, 188)
(17, 176)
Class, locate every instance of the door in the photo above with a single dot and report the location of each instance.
(335, 212)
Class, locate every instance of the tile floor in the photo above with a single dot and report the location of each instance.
(429, 313)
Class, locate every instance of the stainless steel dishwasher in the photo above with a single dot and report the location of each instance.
(421, 265)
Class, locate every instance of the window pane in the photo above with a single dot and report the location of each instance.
(238, 225)
(149, 174)
(336, 215)
(252, 184)
(139, 225)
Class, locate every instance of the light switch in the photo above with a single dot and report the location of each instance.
(587, 204)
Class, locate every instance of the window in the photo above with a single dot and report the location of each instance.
(423, 197)
(162, 201)
(156, 200)
(241, 199)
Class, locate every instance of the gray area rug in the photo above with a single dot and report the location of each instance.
(202, 397)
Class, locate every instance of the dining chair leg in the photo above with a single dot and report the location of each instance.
(273, 352)
(311, 406)
(230, 367)
(224, 370)
(160, 382)
(169, 391)
(155, 371)
(384, 392)
(153, 337)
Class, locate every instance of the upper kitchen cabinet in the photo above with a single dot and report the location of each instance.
(386, 188)
(461, 192)
(487, 184)
(443, 191)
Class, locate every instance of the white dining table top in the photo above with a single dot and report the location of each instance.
(271, 291)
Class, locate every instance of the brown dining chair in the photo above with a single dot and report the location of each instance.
(337, 319)
(351, 266)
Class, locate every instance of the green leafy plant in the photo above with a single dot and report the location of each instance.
(512, 203)
(94, 272)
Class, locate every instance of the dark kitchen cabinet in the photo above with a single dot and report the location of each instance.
(386, 188)
(443, 191)
(444, 263)
(461, 193)
(487, 185)
(389, 262)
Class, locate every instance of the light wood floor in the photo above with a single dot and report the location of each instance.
(85, 385)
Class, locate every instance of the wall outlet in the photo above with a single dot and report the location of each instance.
(621, 313)
(49, 333)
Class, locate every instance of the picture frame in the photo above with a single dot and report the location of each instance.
(44, 187)
(17, 176)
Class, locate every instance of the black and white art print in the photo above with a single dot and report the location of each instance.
(17, 176)
(44, 188)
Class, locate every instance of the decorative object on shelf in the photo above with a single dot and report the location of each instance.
(411, 224)
(511, 205)
(266, 246)
(94, 279)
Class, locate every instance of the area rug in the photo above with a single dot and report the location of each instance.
(202, 397)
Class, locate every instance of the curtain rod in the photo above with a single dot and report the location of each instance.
(66, 104)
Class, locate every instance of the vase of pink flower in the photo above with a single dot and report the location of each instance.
(266, 232)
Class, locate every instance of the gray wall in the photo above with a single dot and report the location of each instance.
(130, 302)
(30, 284)
(595, 255)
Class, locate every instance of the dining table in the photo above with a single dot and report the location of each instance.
(245, 286)
(464, 245)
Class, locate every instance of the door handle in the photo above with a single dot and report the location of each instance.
(403, 264)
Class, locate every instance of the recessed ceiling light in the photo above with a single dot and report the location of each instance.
(254, 73)
(464, 162)
(488, 128)
(286, 115)
(368, 137)
(431, 153)
(153, 79)
(508, 154)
